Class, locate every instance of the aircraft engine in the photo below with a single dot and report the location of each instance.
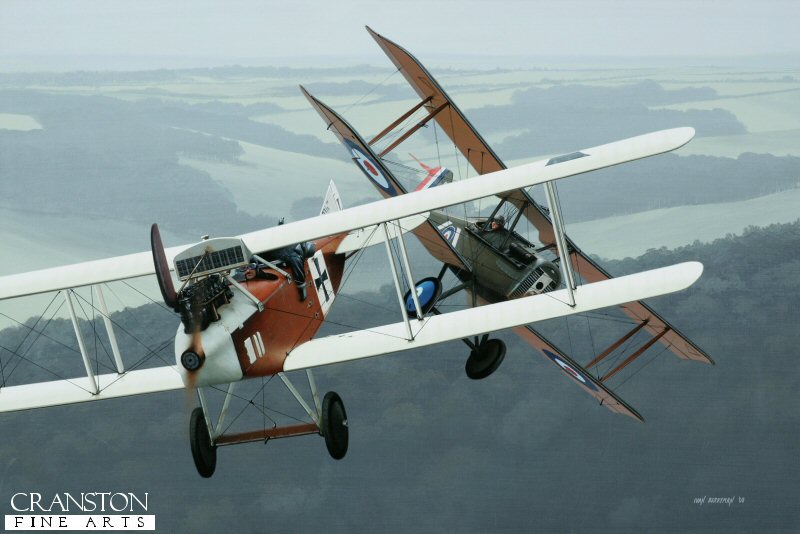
(541, 276)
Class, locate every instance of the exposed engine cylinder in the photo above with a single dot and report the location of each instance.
(542, 277)
(198, 302)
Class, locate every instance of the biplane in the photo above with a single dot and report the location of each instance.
(242, 316)
(497, 264)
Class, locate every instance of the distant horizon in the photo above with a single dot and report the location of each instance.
(63, 63)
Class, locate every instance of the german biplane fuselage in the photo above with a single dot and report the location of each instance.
(218, 315)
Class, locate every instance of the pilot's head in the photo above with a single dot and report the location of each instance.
(251, 271)
(498, 222)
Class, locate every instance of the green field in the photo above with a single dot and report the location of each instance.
(268, 181)
(265, 180)
(632, 235)
(14, 121)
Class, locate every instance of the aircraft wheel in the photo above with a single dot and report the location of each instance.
(203, 452)
(485, 359)
(334, 425)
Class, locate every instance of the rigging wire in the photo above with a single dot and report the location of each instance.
(591, 338)
(263, 408)
(374, 88)
(403, 166)
(436, 139)
(248, 402)
(134, 337)
(455, 147)
(654, 358)
(31, 329)
(156, 302)
(350, 269)
(612, 363)
(94, 332)
(57, 375)
(40, 334)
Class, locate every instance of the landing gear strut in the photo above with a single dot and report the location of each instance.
(204, 452)
(333, 425)
(486, 356)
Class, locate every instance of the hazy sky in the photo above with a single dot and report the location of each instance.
(242, 29)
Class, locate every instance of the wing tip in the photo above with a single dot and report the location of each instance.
(375, 35)
(687, 273)
(698, 267)
(684, 135)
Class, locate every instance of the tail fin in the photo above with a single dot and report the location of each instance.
(332, 202)
(436, 175)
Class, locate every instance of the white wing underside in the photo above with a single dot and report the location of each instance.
(491, 318)
(381, 340)
(388, 338)
(359, 217)
(75, 390)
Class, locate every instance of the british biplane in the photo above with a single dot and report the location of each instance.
(242, 316)
(496, 264)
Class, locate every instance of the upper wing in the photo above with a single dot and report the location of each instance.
(484, 160)
(388, 210)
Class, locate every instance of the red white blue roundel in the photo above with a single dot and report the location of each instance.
(577, 375)
(370, 168)
(450, 232)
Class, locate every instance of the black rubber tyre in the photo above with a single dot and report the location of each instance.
(203, 452)
(334, 425)
(485, 359)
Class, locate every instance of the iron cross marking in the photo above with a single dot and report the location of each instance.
(321, 279)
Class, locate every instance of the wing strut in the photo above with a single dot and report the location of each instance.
(617, 344)
(396, 278)
(402, 117)
(635, 355)
(81, 344)
(112, 337)
(416, 127)
(561, 242)
(314, 415)
(221, 438)
(409, 277)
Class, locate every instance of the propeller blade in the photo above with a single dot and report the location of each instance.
(162, 269)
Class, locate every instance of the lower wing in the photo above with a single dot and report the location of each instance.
(473, 321)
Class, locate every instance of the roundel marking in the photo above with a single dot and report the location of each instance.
(449, 232)
(570, 370)
(370, 168)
